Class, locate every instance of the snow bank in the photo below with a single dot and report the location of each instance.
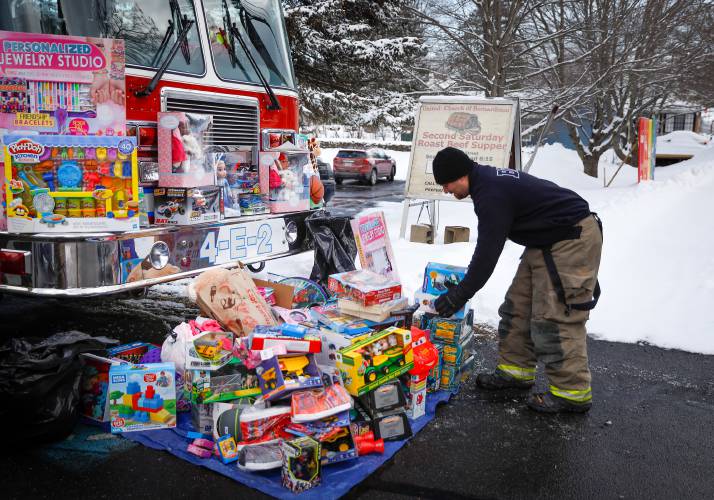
(681, 142)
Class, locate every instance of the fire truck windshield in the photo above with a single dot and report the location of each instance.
(260, 24)
(142, 24)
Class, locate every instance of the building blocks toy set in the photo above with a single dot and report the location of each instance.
(142, 397)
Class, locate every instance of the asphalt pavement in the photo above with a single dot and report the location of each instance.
(649, 434)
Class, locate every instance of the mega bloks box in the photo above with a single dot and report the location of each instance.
(94, 389)
(142, 397)
(185, 206)
(438, 276)
(364, 286)
(375, 360)
(183, 161)
(450, 331)
(56, 84)
(66, 183)
(232, 381)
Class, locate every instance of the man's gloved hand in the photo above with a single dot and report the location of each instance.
(450, 302)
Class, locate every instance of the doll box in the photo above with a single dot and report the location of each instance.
(183, 161)
(289, 174)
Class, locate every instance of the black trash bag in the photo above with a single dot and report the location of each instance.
(334, 243)
(39, 384)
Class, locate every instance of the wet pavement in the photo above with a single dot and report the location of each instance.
(353, 196)
(647, 436)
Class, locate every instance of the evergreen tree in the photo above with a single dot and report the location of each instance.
(355, 60)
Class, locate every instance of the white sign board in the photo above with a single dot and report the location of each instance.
(483, 128)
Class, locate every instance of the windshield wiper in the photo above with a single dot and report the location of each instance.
(234, 34)
(181, 41)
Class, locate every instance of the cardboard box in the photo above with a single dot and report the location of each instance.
(332, 318)
(226, 419)
(375, 360)
(450, 331)
(209, 350)
(437, 276)
(390, 426)
(425, 301)
(266, 337)
(142, 397)
(452, 377)
(453, 354)
(243, 183)
(301, 464)
(384, 398)
(331, 343)
(422, 233)
(433, 380)
(186, 206)
(376, 313)
(365, 287)
(131, 353)
(202, 418)
(278, 376)
(95, 386)
(57, 183)
(415, 393)
(232, 381)
(456, 234)
(293, 170)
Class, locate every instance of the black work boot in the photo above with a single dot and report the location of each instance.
(498, 380)
(547, 403)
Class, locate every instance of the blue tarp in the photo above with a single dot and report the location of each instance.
(337, 479)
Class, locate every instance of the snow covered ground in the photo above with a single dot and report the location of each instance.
(657, 270)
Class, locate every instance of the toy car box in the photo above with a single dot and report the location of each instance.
(364, 286)
(278, 376)
(67, 183)
(186, 206)
(452, 377)
(438, 276)
(433, 380)
(446, 330)
(454, 354)
(230, 382)
(375, 360)
(387, 397)
(142, 397)
(301, 464)
(209, 350)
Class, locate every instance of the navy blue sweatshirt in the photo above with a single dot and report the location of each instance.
(525, 209)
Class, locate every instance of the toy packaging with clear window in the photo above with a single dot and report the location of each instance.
(185, 206)
(142, 397)
(301, 464)
(55, 84)
(243, 183)
(438, 276)
(373, 245)
(280, 375)
(66, 183)
(209, 350)
(364, 286)
(183, 161)
(289, 174)
(232, 381)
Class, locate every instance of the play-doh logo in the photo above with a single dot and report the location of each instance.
(26, 151)
(150, 377)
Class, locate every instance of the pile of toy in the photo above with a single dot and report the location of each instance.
(332, 383)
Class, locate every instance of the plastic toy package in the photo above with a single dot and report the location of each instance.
(319, 403)
(183, 161)
(289, 175)
(437, 277)
(54, 84)
(209, 349)
(301, 464)
(280, 375)
(185, 206)
(71, 183)
(231, 382)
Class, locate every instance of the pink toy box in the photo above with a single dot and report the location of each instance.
(183, 161)
(57, 84)
(142, 397)
(289, 174)
(65, 183)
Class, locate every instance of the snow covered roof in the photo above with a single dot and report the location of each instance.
(681, 143)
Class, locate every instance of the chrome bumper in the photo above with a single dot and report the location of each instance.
(76, 265)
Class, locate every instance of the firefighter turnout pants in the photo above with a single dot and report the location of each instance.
(535, 324)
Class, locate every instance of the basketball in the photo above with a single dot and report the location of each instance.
(317, 190)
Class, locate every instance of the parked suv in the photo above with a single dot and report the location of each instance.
(366, 165)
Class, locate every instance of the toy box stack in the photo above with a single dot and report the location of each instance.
(453, 337)
(242, 181)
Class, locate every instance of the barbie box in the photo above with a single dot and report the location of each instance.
(67, 85)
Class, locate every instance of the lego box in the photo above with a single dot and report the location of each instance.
(438, 276)
(142, 397)
(363, 286)
(375, 360)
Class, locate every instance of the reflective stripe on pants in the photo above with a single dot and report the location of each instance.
(517, 372)
(582, 396)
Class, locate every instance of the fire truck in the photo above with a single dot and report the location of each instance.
(227, 58)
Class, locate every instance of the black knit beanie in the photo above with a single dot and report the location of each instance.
(450, 164)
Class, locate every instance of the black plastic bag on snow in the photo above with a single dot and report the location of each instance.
(39, 384)
(335, 247)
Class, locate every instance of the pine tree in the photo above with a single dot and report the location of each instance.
(355, 60)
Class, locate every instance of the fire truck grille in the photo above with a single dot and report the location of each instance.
(233, 124)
